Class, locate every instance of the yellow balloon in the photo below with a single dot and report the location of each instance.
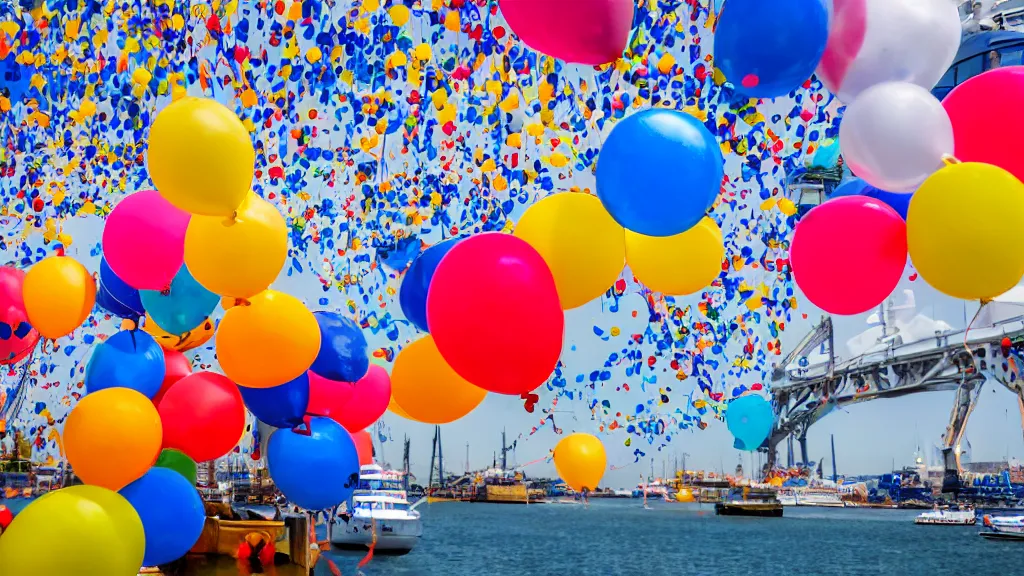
(963, 229)
(90, 531)
(239, 257)
(582, 244)
(112, 437)
(271, 340)
(426, 388)
(677, 265)
(201, 157)
(194, 338)
(580, 461)
(59, 295)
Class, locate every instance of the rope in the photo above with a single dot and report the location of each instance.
(373, 544)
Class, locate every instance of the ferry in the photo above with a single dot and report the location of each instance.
(1003, 527)
(801, 496)
(749, 502)
(946, 517)
(380, 516)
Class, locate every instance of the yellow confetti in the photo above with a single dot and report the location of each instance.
(399, 14)
(423, 52)
(314, 55)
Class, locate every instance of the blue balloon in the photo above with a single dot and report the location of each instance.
(183, 307)
(128, 359)
(317, 471)
(116, 296)
(171, 511)
(768, 49)
(855, 186)
(659, 172)
(750, 420)
(413, 293)
(281, 406)
(342, 355)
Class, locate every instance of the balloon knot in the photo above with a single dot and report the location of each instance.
(950, 160)
(166, 291)
(232, 220)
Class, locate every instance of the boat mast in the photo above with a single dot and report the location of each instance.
(504, 452)
(440, 457)
(834, 475)
(467, 458)
(405, 464)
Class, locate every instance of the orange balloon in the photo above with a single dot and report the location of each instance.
(271, 340)
(112, 437)
(194, 338)
(427, 389)
(59, 294)
(364, 446)
(397, 410)
(580, 461)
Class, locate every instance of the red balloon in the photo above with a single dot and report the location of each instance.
(364, 445)
(972, 108)
(327, 397)
(177, 367)
(369, 401)
(498, 320)
(203, 416)
(848, 254)
(17, 337)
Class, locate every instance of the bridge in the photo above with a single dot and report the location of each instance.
(812, 380)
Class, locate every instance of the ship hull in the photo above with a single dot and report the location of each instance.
(392, 536)
(758, 510)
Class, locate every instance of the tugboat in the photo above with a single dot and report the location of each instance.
(748, 501)
(946, 517)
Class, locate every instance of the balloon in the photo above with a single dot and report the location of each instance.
(582, 245)
(118, 297)
(848, 254)
(182, 307)
(364, 446)
(580, 461)
(326, 449)
(791, 37)
(895, 135)
(963, 230)
(203, 416)
(397, 410)
(128, 359)
(677, 265)
(593, 34)
(59, 294)
(370, 398)
(112, 437)
(989, 133)
(176, 367)
(659, 172)
(179, 462)
(171, 511)
(17, 337)
(194, 338)
(875, 41)
(99, 533)
(269, 342)
(281, 406)
(238, 258)
(413, 294)
(750, 419)
(426, 389)
(201, 157)
(857, 187)
(342, 354)
(144, 240)
(491, 294)
(328, 397)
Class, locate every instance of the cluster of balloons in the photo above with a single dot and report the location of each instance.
(938, 181)
(172, 255)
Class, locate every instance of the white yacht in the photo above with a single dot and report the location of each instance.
(810, 496)
(946, 517)
(1003, 527)
(378, 515)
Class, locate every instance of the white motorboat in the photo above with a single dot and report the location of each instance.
(946, 517)
(1003, 527)
(378, 515)
(808, 496)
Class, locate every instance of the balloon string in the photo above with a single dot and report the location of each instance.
(373, 544)
(968, 331)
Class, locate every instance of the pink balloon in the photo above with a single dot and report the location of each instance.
(17, 337)
(144, 240)
(591, 32)
(494, 313)
(848, 254)
(327, 397)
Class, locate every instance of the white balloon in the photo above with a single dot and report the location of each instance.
(894, 136)
(875, 41)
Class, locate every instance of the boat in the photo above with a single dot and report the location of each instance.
(947, 517)
(748, 501)
(822, 497)
(379, 515)
(1003, 527)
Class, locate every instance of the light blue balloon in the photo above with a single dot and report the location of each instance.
(181, 308)
(750, 419)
